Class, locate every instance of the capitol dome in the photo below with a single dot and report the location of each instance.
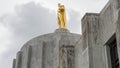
(48, 51)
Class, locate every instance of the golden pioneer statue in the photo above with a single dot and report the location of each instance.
(61, 16)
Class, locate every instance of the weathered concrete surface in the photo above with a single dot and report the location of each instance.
(118, 33)
(14, 62)
(44, 51)
(97, 29)
(91, 48)
(78, 54)
(18, 63)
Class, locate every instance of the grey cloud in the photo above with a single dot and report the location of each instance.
(28, 21)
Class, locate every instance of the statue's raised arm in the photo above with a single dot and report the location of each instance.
(61, 16)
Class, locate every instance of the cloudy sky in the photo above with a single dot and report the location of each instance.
(21, 20)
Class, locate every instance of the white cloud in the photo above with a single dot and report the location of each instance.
(7, 6)
(3, 32)
(5, 41)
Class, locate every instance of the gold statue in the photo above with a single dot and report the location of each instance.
(61, 16)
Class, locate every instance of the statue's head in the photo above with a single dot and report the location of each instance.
(59, 4)
(61, 7)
